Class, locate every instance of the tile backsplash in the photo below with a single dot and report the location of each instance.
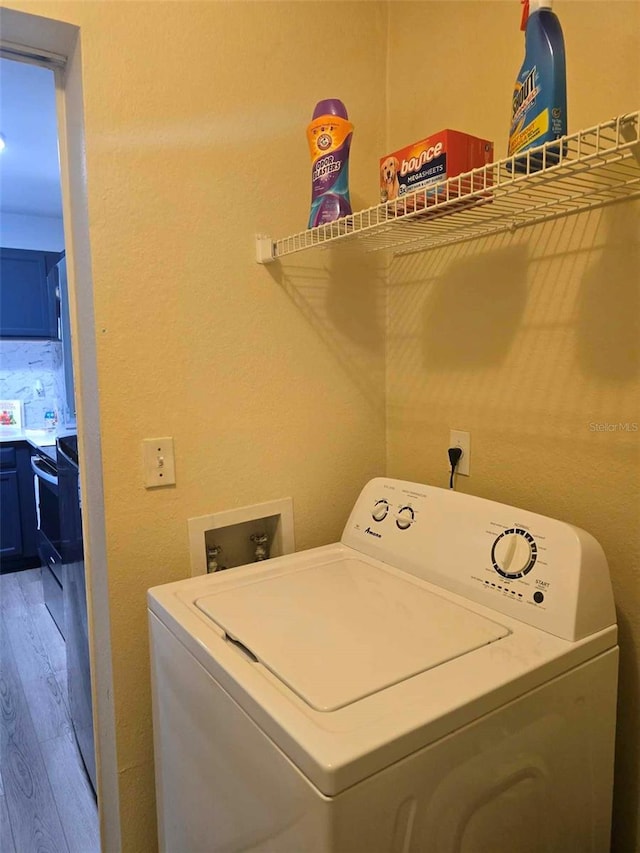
(32, 371)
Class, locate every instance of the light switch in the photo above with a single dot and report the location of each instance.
(159, 462)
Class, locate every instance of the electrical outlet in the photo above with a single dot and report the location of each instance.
(159, 462)
(458, 438)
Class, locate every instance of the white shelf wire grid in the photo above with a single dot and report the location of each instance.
(583, 170)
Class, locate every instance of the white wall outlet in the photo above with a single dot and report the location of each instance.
(461, 439)
(159, 462)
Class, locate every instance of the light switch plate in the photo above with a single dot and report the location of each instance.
(159, 462)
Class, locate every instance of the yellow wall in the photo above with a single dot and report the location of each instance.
(271, 380)
(526, 340)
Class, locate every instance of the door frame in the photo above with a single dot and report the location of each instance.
(57, 45)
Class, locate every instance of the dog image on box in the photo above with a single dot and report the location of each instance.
(389, 184)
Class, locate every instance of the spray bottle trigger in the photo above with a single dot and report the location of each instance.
(525, 14)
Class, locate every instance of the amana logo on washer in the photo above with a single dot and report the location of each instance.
(373, 533)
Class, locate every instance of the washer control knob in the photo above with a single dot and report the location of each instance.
(514, 553)
(380, 510)
(405, 517)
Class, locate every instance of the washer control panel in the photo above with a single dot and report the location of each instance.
(517, 565)
(380, 510)
(514, 553)
(540, 570)
(404, 516)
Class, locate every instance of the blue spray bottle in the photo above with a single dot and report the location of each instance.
(539, 105)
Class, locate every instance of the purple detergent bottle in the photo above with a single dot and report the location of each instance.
(329, 137)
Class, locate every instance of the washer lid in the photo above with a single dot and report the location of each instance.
(337, 632)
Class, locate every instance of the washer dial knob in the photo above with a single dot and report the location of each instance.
(514, 553)
(380, 510)
(405, 517)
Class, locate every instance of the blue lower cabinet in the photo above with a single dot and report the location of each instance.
(10, 528)
(18, 543)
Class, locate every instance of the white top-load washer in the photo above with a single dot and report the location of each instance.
(443, 679)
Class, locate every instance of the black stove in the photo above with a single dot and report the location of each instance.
(68, 444)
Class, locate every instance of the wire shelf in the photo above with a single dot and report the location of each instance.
(588, 169)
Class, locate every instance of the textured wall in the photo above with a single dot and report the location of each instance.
(270, 380)
(527, 340)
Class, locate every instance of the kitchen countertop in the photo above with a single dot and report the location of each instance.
(36, 437)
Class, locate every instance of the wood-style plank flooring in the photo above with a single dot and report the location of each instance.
(46, 801)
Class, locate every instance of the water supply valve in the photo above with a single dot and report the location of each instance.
(212, 559)
(260, 540)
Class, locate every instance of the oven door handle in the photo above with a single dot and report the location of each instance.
(40, 472)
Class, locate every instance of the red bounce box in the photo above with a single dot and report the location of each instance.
(431, 160)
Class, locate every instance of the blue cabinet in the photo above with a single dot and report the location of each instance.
(10, 529)
(28, 298)
(18, 544)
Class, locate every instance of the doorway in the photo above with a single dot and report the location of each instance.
(44, 785)
(56, 45)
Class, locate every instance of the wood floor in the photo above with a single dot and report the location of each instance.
(46, 801)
